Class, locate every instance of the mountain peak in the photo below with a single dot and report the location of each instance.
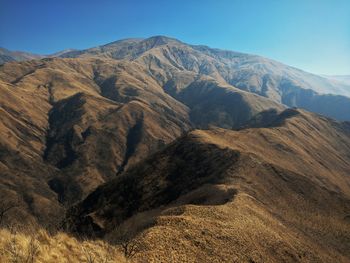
(161, 40)
(156, 41)
(152, 41)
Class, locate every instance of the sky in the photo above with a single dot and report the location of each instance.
(313, 35)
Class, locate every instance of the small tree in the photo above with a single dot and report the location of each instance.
(124, 236)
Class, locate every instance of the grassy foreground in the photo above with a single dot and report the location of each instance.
(41, 247)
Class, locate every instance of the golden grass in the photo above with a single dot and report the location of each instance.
(290, 202)
(41, 247)
(242, 230)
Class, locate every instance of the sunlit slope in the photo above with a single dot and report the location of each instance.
(69, 125)
(279, 193)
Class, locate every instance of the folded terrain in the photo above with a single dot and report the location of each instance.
(194, 146)
(279, 192)
(165, 57)
(69, 125)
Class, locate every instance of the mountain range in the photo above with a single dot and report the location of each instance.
(215, 154)
(345, 79)
(265, 77)
(7, 56)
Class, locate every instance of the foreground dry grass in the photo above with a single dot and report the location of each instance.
(240, 231)
(40, 247)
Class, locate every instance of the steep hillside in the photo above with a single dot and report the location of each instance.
(24, 176)
(278, 193)
(60, 120)
(83, 121)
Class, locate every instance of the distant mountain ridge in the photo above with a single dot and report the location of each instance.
(252, 73)
(345, 79)
(131, 48)
(230, 61)
(8, 56)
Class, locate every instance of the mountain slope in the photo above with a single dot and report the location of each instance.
(8, 55)
(67, 124)
(24, 177)
(71, 124)
(188, 146)
(249, 72)
(83, 121)
(166, 57)
(279, 193)
(345, 79)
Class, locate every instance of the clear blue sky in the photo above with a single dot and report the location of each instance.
(313, 35)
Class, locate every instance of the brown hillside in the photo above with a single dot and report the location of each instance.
(275, 194)
(166, 57)
(69, 125)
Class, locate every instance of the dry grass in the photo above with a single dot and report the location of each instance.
(240, 231)
(40, 246)
(290, 200)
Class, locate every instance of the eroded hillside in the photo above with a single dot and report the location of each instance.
(70, 125)
(279, 193)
